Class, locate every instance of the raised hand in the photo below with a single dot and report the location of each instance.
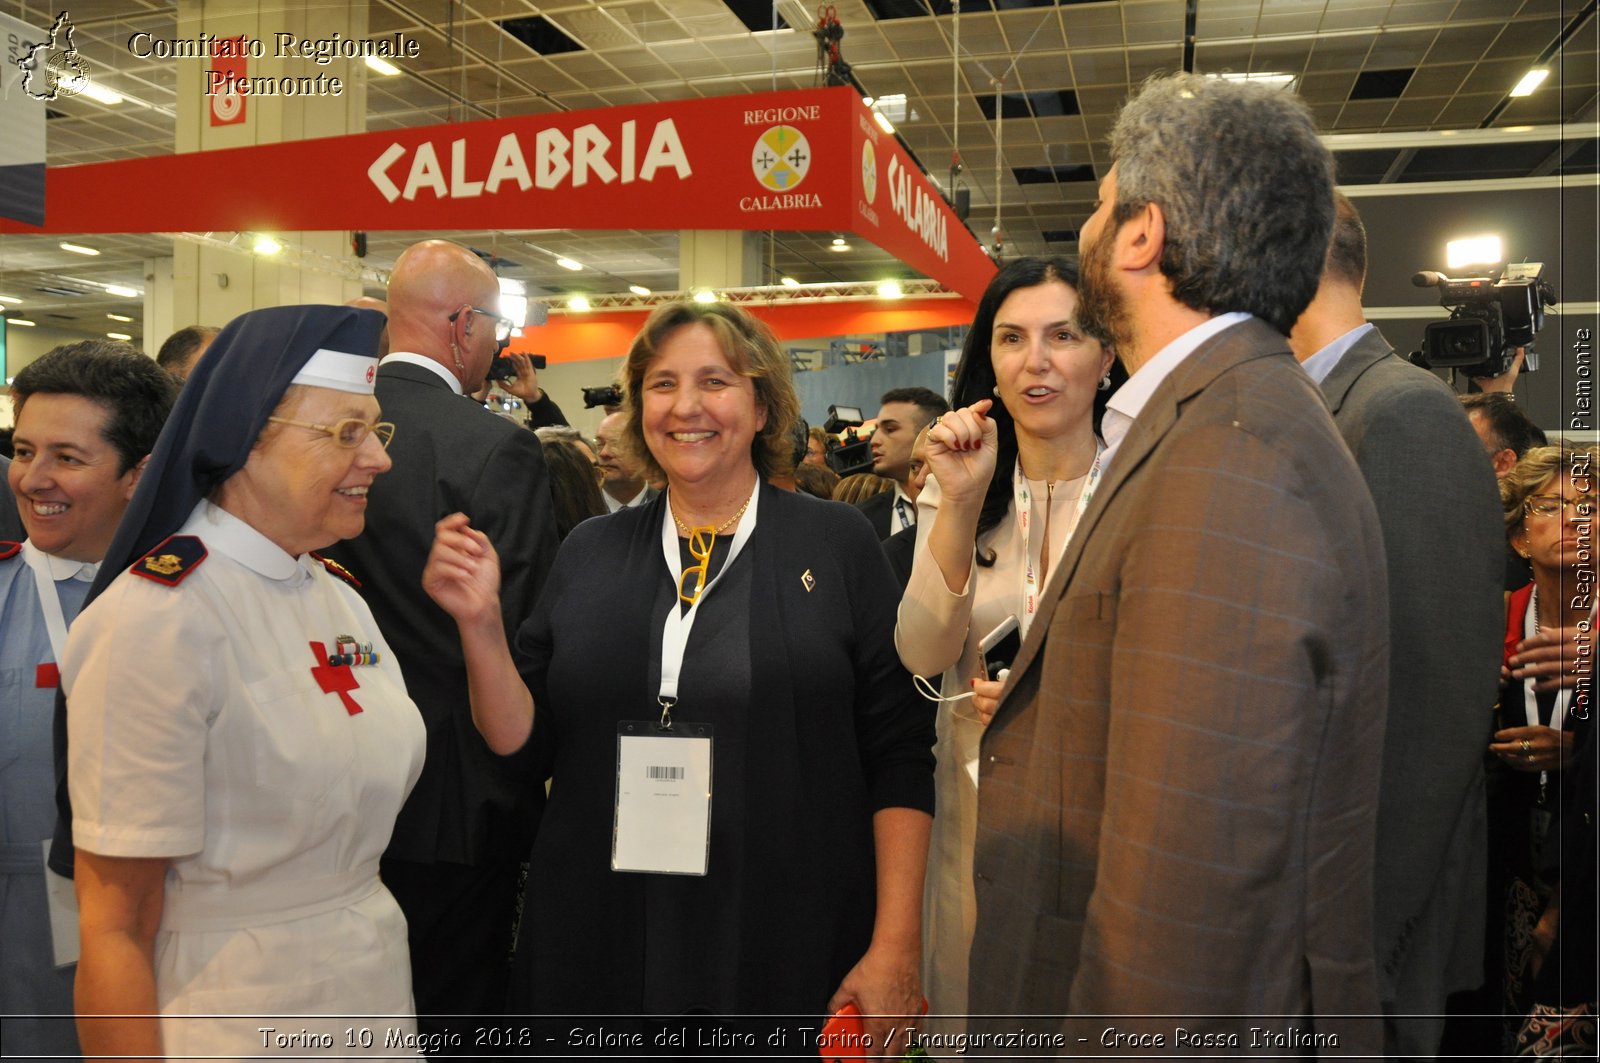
(962, 449)
(462, 575)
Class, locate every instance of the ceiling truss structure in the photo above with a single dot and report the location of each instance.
(1029, 95)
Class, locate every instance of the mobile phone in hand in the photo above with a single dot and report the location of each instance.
(1000, 647)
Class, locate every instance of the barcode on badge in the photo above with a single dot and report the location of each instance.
(655, 772)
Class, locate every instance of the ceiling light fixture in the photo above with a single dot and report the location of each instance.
(118, 336)
(893, 107)
(883, 122)
(1530, 81)
(9, 299)
(1260, 78)
(567, 263)
(638, 289)
(789, 282)
(19, 321)
(266, 245)
(705, 295)
(123, 290)
(839, 245)
(514, 301)
(382, 66)
(101, 94)
(79, 249)
(578, 302)
(890, 289)
(119, 317)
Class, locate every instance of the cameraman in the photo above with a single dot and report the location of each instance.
(542, 410)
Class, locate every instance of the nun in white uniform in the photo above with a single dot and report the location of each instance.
(240, 738)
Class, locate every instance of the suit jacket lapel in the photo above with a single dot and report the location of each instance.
(1365, 353)
(1222, 352)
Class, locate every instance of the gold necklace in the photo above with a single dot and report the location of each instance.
(724, 526)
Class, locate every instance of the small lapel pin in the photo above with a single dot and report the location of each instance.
(808, 581)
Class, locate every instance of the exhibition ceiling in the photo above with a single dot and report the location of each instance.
(1026, 90)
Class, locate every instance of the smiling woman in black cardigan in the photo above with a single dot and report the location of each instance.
(821, 770)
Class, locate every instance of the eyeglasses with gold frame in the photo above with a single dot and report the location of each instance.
(1550, 505)
(701, 540)
(349, 433)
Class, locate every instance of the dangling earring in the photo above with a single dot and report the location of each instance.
(1105, 383)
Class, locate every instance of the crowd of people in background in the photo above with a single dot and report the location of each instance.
(1199, 657)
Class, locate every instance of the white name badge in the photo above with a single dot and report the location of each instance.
(663, 817)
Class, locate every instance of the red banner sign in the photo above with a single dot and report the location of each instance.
(782, 160)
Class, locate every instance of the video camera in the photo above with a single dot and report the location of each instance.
(501, 368)
(853, 454)
(1490, 317)
(610, 395)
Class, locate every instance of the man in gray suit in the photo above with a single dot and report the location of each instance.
(1178, 791)
(1444, 540)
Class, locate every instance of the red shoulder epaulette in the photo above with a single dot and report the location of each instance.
(8, 550)
(338, 570)
(172, 561)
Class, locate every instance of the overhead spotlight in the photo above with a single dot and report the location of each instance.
(514, 301)
(101, 94)
(19, 321)
(893, 107)
(382, 66)
(119, 317)
(567, 263)
(79, 249)
(837, 240)
(789, 282)
(638, 289)
(578, 302)
(1473, 251)
(839, 245)
(890, 289)
(266, 245)
(705, 295)
(118, 336)
(1274, 79)
(123, 290)
(1530, 81)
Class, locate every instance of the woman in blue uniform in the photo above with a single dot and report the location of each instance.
(87, 415)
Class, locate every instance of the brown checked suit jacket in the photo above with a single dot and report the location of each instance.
(1178, 791)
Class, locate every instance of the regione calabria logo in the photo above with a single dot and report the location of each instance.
(869, 171)
(782, 158)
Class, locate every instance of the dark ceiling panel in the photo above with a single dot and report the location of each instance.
(1474, 162)
(1381, 84)
(540, 34)
(1365, 167)
(1039, 175)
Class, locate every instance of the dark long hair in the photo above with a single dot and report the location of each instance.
(975, 377)
(573, 490)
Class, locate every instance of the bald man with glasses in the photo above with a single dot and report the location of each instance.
(454, 859)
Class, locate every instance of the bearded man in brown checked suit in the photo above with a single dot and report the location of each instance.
(1178, 789)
